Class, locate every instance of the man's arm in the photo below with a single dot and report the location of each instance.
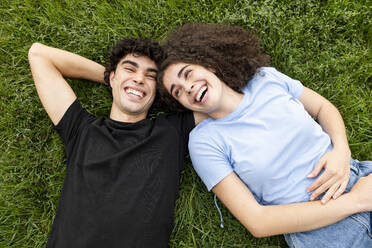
(49, 66)
(264, 221)
(336, 163)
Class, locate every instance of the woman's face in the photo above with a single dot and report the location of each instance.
(195, 87)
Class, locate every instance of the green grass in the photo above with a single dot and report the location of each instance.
(325, 44)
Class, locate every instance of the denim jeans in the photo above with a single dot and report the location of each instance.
(353, 231)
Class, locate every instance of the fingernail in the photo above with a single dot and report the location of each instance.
(323, 201)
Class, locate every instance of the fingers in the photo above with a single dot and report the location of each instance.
(318, 182)
(340, 190)
(333, 181)
(321, 189)
(330, 174)
(317, 168)
(321, 180)
(331, 191)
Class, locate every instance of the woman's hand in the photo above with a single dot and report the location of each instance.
(336, 165)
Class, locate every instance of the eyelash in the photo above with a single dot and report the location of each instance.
(132, 70)
(187, 73)
(176, 93)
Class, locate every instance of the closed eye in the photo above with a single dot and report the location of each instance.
(130, 69)
(187, 73)
(152, 76)
(177, 93)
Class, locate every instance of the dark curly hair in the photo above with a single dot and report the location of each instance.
(232, 51)
(138, 46)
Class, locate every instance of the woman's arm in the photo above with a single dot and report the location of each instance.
(336, 163)
(264, 221)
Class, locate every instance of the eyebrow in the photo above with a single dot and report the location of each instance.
(179, 76)
(129, 62)
(182, 69)
(152, 70)
(171, 89)
(136, 65)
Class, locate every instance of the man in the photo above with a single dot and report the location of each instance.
(123, 171)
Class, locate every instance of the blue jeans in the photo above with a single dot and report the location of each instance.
(353, 231)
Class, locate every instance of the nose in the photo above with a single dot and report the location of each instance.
(138, 78)
(190, 89)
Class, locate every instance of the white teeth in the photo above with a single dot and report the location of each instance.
(201, 91)
(134, 92)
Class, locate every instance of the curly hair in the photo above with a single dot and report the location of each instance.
(139, 46)
(232, 51)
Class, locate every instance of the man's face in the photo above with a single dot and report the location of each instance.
(133, 85)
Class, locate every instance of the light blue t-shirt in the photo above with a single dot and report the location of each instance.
(269, 141)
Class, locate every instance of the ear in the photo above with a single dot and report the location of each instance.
(112, 75)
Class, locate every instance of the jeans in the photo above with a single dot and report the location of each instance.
(353, 231)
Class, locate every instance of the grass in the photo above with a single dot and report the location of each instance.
(325, 44)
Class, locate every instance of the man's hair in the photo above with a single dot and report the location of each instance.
(138, 46)
(232, 51)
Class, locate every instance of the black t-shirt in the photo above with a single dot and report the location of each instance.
(121, 180)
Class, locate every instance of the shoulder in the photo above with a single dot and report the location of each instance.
(74, 120)
(206, 133)
(203, 128)
(75, 113)
(271, 77)
(262, 75)
(183, 122)
(173, 117)
(269, 73)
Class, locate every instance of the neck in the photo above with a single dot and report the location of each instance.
(229, 102)
(118, 115)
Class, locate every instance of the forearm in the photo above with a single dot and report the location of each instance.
(331, 121)
(264, 221)
(328, 117)
(69, 64)
(299, 217)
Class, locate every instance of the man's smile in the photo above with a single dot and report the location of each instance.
(135, 92)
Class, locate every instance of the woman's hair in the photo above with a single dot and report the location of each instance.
(232, 51)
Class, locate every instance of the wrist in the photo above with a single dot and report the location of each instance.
(343, 149)
(356, 204)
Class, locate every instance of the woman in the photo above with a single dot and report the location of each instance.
(260, 142)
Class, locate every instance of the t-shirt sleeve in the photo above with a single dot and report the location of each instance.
(184, 122)
(209, 159)
(294, 87)
(71, 123)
